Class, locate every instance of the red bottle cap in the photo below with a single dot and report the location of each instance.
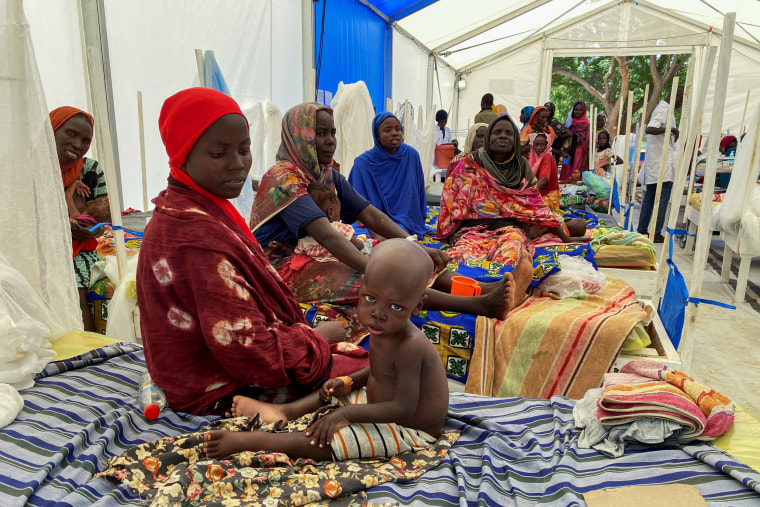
(152, 411)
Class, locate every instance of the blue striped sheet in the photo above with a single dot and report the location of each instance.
(512, 451)
(81, 412)
(521, 451)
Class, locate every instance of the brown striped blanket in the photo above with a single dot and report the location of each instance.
(548, 347)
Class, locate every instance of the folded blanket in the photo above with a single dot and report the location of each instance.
(549, 347)
(645, 389)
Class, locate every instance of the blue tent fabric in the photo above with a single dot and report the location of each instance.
(398, 9)
(365, 58)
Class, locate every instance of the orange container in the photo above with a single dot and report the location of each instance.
(464, 286)
(443, 155)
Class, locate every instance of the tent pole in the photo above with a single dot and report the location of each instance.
(637, 149)
(620, 119)
(103, 129)
(307, 49)
(626, 166)
(704, 233)
(142, 149)
(663, 159)
(389, 105)
(429, 88)
(679, 178)
(744, 115)
(591, 139)
(95, 39)
(87, 85)
(199, 64)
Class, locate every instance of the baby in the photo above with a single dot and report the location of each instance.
(402, 395)
(572, 230)
(327, 200)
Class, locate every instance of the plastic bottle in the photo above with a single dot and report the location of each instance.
(150, 398)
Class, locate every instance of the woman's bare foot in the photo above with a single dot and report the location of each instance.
(243, 406)
(508, 293)
(220, 444)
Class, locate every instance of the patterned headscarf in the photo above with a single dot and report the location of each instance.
(297, 164)
(471, 137)
(69, 172)
(510, 174)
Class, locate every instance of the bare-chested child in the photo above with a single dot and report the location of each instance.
(402, 394)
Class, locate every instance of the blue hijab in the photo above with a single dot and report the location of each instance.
(394, 184)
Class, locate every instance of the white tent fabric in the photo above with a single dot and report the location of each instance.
(265, 121)
(495, 45)
(38, 297)
(151, 48)
(353, 114)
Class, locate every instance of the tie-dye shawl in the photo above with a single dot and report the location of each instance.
(471, 192)
(214, 314)
(297, 165)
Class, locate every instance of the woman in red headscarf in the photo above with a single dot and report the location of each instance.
(83, 181)
(538, 124)
(216, 318)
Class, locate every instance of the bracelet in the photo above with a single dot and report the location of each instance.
(412, 237)
(347, 383)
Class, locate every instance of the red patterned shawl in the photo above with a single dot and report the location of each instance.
(215, 315)
(471, 192)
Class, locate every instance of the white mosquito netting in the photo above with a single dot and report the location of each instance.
(739, 213)
(38, 297)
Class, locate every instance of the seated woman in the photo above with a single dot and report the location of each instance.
(489, 199)
(283, 211)
(83, 182)
(390, 176)
(216, 319)
(545, 168)
(474, 140)
(538, 124)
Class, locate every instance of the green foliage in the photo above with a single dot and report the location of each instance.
(566, 91)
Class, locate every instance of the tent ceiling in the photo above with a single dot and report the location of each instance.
(464, 32)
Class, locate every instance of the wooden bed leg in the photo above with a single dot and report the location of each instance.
(725, 270)
(741, 283)
(690, 239)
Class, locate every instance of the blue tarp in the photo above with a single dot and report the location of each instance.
(358, 43)
(353, 47)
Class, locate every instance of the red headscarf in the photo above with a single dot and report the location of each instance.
(725, 142)
(69, 172)
(184, 117)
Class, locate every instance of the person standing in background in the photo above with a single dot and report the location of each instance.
(442, 131)
(650, 171)
(486, 114)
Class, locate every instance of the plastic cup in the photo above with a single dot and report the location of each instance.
(464, 286)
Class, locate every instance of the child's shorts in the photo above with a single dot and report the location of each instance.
(374, 440)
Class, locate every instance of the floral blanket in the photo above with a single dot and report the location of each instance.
(174, 471)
